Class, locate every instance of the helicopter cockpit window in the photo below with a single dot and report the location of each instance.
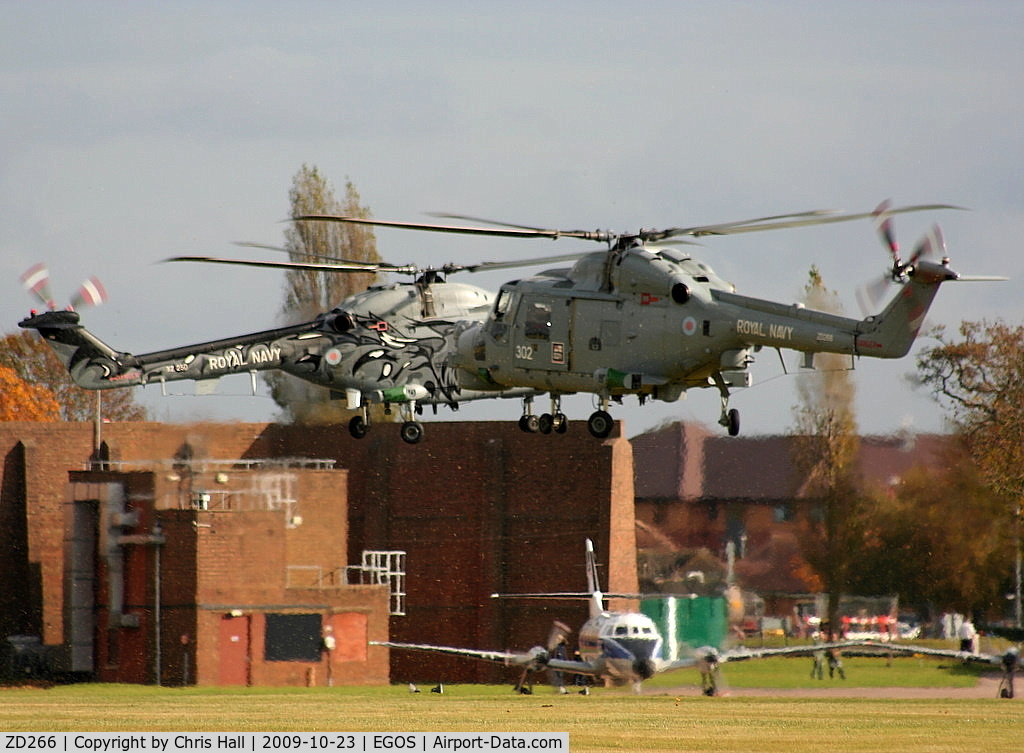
(538, 321)
(503, 304)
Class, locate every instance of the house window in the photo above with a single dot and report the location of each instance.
(783, 513)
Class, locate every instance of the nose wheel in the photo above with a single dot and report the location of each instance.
(600, 424)
(412, 432)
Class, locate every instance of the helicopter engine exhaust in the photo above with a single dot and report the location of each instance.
(339, 322)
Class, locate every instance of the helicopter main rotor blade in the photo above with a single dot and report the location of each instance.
(516, 226)
(310, 257)
(369, 267)
(754, 225)
(342, 266)
(511, 231)
(777, 222)
(487, 266)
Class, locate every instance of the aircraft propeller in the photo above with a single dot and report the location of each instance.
(539, 656)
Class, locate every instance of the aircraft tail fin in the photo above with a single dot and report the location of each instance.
(593, 582)
(93, 364)
(891, 333)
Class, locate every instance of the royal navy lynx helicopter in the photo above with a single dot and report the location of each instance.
(639, 317)
(643, 317)
(392, 344)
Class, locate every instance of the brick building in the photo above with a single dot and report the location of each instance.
(701, 490)
(477, 508)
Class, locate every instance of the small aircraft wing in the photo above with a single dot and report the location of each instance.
(707, 655)
(948, 653)
(536, 658)
(500, 657)
(742, 654)
(576, 667)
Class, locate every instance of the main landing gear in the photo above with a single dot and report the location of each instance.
(730, 416)
(555, 421)
(600, 423)
(411, 430)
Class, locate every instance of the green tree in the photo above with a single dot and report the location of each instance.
(938, 540)
(979, 376)
(825, 447)
(35, 362)
(308, 293)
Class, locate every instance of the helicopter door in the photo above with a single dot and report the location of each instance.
(597, 338)
(540, 340)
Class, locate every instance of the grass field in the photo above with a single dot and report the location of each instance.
(669, 716)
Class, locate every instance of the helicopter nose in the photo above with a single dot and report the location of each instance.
(643, 668)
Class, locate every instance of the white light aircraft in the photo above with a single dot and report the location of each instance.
(614, 647)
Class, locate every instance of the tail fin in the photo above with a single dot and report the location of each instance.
(93, 364)
(593, 582)
(892, 333)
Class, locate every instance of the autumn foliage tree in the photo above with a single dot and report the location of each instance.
(35, 363)
(23, 401)
(979, 375)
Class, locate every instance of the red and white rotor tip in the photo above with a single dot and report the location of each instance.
(91, 293)
(36, 280)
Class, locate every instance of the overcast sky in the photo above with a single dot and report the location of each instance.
(135, 131)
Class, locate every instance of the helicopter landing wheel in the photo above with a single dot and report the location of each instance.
(733, 422)
(530, 424)
(412, 432)
(545, 423)
(561, 423)
(600, 424)
(358, 427)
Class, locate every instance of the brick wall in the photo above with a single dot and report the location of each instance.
(479, 508)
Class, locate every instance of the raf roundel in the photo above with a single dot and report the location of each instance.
(689, 326)
(333, 357)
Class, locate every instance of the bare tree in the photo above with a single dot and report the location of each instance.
(308, 293)
(825, 451)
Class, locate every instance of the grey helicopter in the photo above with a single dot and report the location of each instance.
(390, 344)
(640, 317)
(643, 317)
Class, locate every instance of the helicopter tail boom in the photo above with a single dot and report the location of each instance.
(94, 365)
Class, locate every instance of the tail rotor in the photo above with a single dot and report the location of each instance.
(871, 295)
(36, 280)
